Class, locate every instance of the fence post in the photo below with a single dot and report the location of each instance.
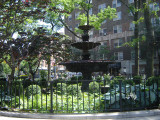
(120, 92)
(51, 88)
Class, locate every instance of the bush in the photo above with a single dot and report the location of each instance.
(75, 80)
(32, 90)
(152, 80)
(99, 78)
(94, 87)
(17, 88)
(43, 74)
(137, 79)
(130, 82)
(27, 82)
(74, 90)
(61, 88)
(43, 83)
(106, 79)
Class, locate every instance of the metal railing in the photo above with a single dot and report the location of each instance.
(67, 97)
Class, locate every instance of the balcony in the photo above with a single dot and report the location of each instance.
(112, 36)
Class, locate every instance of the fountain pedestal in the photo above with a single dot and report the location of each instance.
(86, 66)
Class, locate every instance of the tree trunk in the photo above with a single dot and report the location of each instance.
(149, 41)
(136, 35)
(11, 78)
(49, 68)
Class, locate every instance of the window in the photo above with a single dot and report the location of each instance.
(77, 39)
(131, 26)
(77, 14)
(118, 56)
(70, 27)
(154, 6)
(87, 1)
(70, 18)
(132, 54)
(118, 43)
(119, 16)
(116, 3)
(155, 54)
(155, 21)
(90, 11)
(90, 34)
(104, 21)
(101, 7)
(103, 32)
(117, 29)
(130, 14)
(130, 1)
(77, 25)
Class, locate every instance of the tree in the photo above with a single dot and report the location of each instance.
(150, 38)
(139, 8)
(14, 14)
(64, 7)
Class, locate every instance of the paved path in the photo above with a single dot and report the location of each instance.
(133, 115)
(136, 118)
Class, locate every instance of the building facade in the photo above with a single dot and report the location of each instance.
(114, 33)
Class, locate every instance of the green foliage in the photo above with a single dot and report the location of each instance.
(75, 80)
(96, 20)
(116, 80)
(27, 82)
(130, 82)
(74, 90)
(106, 79)
(99, 78)
(43, 80)
(119, 78)
(2, 73)
(137, 79)
(17, 88)
(32, 90)
(152, 80)
(94, 87)
(61, 88)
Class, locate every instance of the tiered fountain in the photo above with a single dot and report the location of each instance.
(86, 66)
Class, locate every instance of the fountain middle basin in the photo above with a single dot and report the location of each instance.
(87, 65)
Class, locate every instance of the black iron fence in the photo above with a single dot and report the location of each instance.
(61, 96)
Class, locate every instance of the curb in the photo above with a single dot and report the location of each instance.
(115, 115)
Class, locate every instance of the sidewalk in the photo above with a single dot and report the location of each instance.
(138, 115)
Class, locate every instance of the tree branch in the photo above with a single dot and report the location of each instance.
(68, 28)
(127, 6)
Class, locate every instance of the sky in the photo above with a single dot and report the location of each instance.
(41, 23)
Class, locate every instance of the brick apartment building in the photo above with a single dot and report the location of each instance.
(114, 33)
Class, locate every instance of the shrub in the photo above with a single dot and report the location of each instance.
(17, 87)
(32, 90)
(99, 78)
(152, 80)
(61, 88)
(43, 83)
(75, 80)
(94, 87)
(106, 79)
(130, 82)
(74, 90)
(43, 74)
(137, 79)
(27, 82)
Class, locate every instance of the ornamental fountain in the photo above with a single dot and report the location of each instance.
(87, 66)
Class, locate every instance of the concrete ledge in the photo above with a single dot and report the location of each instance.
(114, 115)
